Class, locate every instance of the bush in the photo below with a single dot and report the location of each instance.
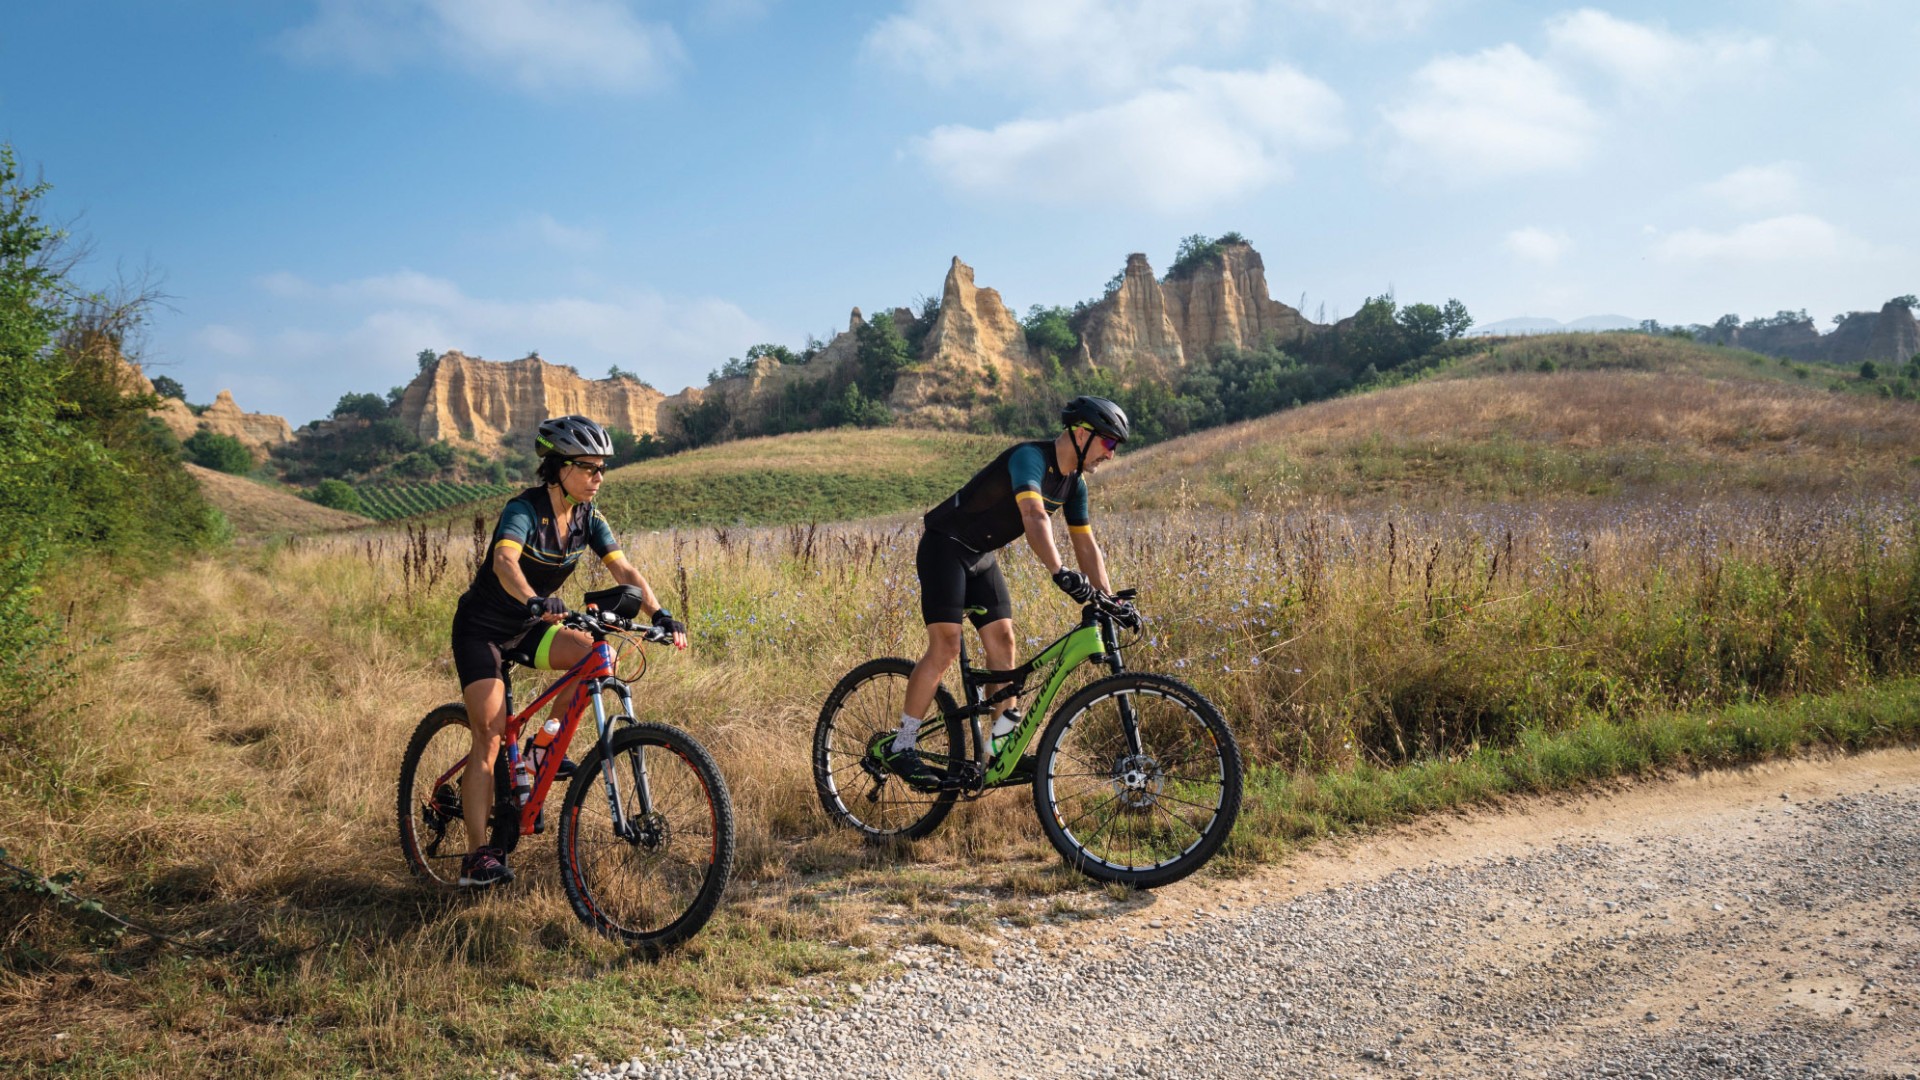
(337, 494)
(222, 453)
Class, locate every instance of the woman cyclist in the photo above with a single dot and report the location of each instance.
(511, 607)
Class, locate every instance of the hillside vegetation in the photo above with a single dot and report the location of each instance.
(837, 475)
(258, 510)
(1649, 417)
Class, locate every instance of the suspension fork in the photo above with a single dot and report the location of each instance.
(603, 724)
(1129, 721)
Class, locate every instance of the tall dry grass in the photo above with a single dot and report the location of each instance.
(224, 762)
(1526, 435)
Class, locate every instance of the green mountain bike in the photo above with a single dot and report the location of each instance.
(1136, 779)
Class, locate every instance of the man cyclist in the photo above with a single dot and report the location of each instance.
(511, 608)
(1014, 496)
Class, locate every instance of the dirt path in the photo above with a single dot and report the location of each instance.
(1764, 922)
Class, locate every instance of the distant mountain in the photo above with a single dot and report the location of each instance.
(1532, 324)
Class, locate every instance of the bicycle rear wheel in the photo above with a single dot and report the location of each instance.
(432, 835)
(854, 789)
(655, 881)
(1142, 818)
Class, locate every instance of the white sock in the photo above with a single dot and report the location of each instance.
(909, 730)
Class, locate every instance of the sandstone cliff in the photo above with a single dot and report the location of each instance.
(1149, 328)
(974, 345)
(488, 404)
(1130, 332)
(970, 355)
(258, 432)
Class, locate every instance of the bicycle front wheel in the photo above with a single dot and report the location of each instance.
(652, 873)
(433, 836)
(863, 711)
(1145, 814)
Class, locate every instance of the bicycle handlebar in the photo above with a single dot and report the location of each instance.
(1119, 606)
(598, 623)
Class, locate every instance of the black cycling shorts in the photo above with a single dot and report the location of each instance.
(954, 577)
(478, 648)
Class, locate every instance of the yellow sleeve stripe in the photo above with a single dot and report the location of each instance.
(1080, 529)
(1034, 495)
(616, 553)
(514, 544)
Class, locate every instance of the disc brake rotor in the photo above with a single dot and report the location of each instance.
(1137, 781)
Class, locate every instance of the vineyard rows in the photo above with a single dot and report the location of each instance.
(384, 502)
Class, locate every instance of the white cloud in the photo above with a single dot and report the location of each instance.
(222, 339)
(1543, 247)
(1372, 18)
(1650, 59)
(1788, 238)
(363, 334)
(1106, 46)
(1499, 112)
(562, 237)
(540, 45)
(1203, 137)
(1757, 187)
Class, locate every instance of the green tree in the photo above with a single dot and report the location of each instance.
(1455, 321)
(1869, 370)
(1049, 331)
(339, 495)
(167, 386)
(442, 454)
(1425, 327)
(222, 453)
(881, 357)
(362, 406)
(426, 360)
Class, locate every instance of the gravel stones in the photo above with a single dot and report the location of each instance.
(1777, 947)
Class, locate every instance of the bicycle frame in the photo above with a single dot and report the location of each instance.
(1093, 640)
(588, 678)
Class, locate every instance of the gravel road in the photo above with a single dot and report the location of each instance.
(1762, 923)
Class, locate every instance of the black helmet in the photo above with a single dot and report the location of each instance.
(573, 436)
(1097, 413)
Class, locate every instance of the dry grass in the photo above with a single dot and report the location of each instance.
(257, 511)
(1527, 435)
(223, 765)
(900, 451)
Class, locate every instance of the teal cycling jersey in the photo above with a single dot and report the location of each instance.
(547, 555)
(984, 514)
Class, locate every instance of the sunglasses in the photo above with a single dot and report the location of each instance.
(1110, 444)
(589, 467)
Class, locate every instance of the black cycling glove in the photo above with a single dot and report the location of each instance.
(664, 620)
(1074, 584)
(545, 605)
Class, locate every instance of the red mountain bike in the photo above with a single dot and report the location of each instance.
(646, 827)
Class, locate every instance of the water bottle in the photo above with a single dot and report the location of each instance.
(541, 743)
(522, 776)
(1004, 727)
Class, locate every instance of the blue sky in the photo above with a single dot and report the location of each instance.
(328, 186)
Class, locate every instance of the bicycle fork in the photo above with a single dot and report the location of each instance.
(623, 824)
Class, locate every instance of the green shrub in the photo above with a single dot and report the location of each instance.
(337, 494)
(223, 453)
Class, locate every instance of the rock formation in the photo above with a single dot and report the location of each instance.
(970, 354)
(1151, 328)
(1225, 303)
(258, 432)
(974, 345)
(1896, 336)
(1130, 331)
(489, 404)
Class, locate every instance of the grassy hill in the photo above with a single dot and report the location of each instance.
(811, 476)
(1616, 414)
(257, 510)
